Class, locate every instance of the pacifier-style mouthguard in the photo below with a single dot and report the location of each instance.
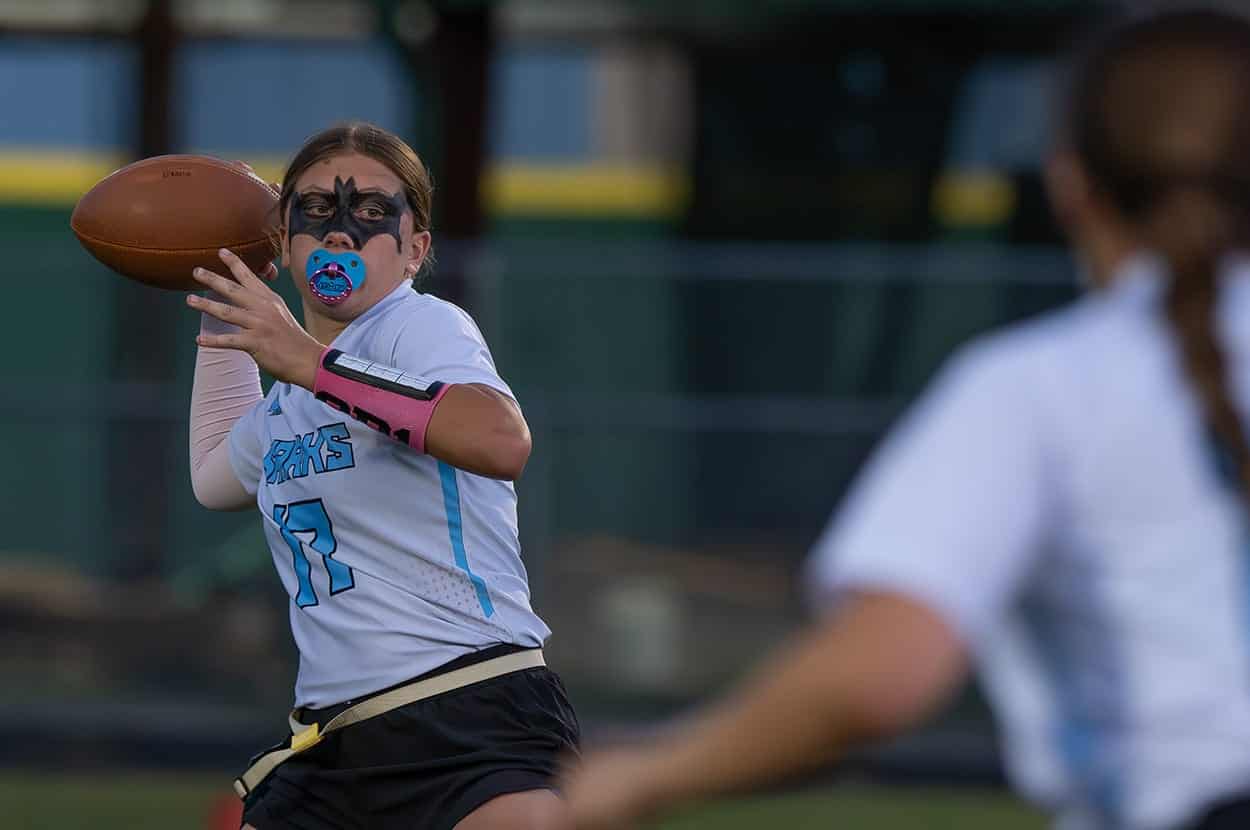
(333, 277)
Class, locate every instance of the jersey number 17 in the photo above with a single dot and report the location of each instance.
(306, 522)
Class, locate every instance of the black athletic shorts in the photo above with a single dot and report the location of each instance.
(426, 765)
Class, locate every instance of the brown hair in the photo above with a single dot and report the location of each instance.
(376, 143)
(1160, 118)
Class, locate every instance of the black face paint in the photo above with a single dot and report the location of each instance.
(317, 213)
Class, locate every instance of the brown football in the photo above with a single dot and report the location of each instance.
(157, 219)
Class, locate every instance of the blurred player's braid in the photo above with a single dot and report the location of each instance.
(378, 144)
(1161, 120)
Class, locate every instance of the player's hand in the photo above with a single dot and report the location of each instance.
(611, 790)
(265, 328)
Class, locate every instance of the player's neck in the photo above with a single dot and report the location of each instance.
(323, 329)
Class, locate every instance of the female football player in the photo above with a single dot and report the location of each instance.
(1066, 507)
(382, 460)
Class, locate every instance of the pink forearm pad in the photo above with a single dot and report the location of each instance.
(381, 397)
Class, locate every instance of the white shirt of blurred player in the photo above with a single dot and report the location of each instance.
(435, 565)
(1054, 497)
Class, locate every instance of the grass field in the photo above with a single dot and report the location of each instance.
(139, 801)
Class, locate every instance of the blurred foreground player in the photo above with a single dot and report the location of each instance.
(382, 462)
(1066, 507)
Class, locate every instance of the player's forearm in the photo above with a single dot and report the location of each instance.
(226, 385)
(834, 688)
(787, 719)
(470, 426)
(481, 430)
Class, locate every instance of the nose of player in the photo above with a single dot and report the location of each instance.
(337, 241)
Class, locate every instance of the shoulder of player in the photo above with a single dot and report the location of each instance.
(1027, 360)
(1099, 329)
(397, 316)
(419, 322)
(426, 312)
(435, 305)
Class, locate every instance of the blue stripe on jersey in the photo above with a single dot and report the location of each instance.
(1087, 747)
(1245, 582)
(455, 527)
(1225, 467)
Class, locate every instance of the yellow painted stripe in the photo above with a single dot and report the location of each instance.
(35, 177)
(269, 168)
(974, 198)
(587, 190)
(59, 178)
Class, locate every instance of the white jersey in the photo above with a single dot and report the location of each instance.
(395, 561)
(1054, 497)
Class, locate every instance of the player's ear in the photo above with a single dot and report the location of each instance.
(420, 246)
(1068, 189)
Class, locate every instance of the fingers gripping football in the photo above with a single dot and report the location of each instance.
(264, 326)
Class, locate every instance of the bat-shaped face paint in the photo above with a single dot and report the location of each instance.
(361, 214)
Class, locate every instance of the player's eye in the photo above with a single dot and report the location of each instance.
(317, 210)
(371, 213)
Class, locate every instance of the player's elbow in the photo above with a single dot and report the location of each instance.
(205, 495)
(899, 662)
(510, 455)
(215, 485)
(213, 498)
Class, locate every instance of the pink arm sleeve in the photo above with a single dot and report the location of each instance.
(226, 386)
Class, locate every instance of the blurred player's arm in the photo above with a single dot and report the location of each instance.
(921, 559)
(877, 666)
(226, 386)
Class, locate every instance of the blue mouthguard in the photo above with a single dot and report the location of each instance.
(333, 277)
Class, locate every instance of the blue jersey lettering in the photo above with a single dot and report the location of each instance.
(326, 450)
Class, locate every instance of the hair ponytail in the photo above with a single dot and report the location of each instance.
(1159, 115)
(1193, 231)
